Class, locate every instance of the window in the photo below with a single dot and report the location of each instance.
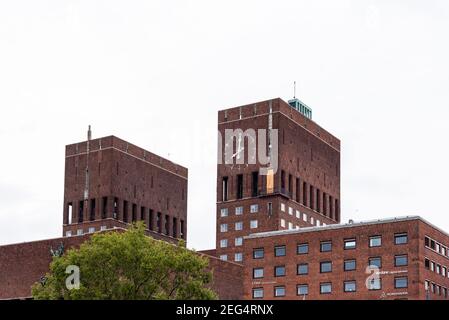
(69, 213)
(255, 184)
(350, 265)
(238, 211)
(223, 243)
(290, 226)
(239, 186)
(182, 230)
(238, 226)
(326, 246)
(325, 288)
(270, 208)
(283, 207)
(400, 261)
(238, 241)
(279, 291)
(254, 208)
(443, 271)
(68, 233)
(304, 217)
(258, 253)
(224, 212)
(224, 257)
(224, 227)
(81, 212)
(375, 241)
(103, 228)
(318, 223)
(279, 271)
(350, 286)
(401, 282)
(92, 209)
(350, 244)
(258, 293)
(427, 241)
(326, 267)
(282, 223)
(290, 211)
(302, 290)
(167, 226)
(279, 251)
(302, 248)
(225, 188)
(298, 214)
(79, 232)
(253, 224)
(427, 263)
(91, 230)
(432, 266)
(438, 269)
(174, 227)
(302, 269)
(238, 257)
(375, 284)
(375, 262)
(312, 221)
(400, 238)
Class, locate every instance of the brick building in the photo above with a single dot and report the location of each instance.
(306, 181)
(110, 183)
(330, 262)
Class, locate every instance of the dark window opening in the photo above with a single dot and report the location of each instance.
(134, 212)
(225, 189)
(167, 224)
(331, 205)
(240, 186)
(159, 222)
(104, 208)
(297, 189)
(282, 180)
(255, 184)
(142, 213)
(290, 185)
(318, 200)
(81, 212)
(125, 211)
(151, 222)
(92, 209)
(325, 204)
(183, 232)
(175, 228)
(115, 213)
(304, 194)
(270, 208)
(312, 198)
(337, 211)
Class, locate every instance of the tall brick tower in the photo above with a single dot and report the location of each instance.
(110, 183)
(302, 190)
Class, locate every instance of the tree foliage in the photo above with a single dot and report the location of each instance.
(129, 266)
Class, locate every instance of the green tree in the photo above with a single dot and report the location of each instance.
(129, 266)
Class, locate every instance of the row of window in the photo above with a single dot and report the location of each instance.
(326, 246)
(327, 266)
(238, 257)
(224, 212)
(312, 197)
(435, 267)
(238, 242)
(238, 226)
(80, 232)
(164, 224)
(298, 215)
(326, 287)
(436, 289)
(436, 246)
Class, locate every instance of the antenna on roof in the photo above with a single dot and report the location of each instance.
(294, 89)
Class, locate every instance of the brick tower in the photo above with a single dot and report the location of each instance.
(110, 183)
(303, 189)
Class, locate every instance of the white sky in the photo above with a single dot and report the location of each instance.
(376, 74)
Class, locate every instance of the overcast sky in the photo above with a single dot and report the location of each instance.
(376, 74)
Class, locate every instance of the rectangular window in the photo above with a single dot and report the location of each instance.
(375, 241)
(70, 212)
(401, 283)
(253, 224)
(258, 253)
(238, 211)
(401, 260)
(143, 210)
(400, 238)
(375, 284)
(350, 244)
(151, 218)
(302, 248)
(326, 246)
(279, 291)
(375, 262)
(91, 229)
(238, 226)
(223, 243)
(79, 232)
(238, 257)
(255, 184)
(297, 190)
(238, 241)
(279, 271)
(224, 257)
(125, 211)
(68, 233)
(159, 222)
(282, 223)
(290, 211)
(167, 225)
(258, 293)
(134, 213)
(270, 208)
(103, 228)
(279, 251)
(104, 208)
(92, 210)
(302, 290)
(290, 185)
(302, 269)
(224, 212)
(326, 267)
(318, 200)
(225, 189)
(311, 198)
(350, 286)
(258, 273)
(325, 288)
(304, 194)
(283, 207)
(350, 265)
(115, 213)
(239, 186)
(427, 242)
(304, 217)
(282, 181)
(224, 227)
(81, 212)
(298, 214)
(427, 263)
(254, 208)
